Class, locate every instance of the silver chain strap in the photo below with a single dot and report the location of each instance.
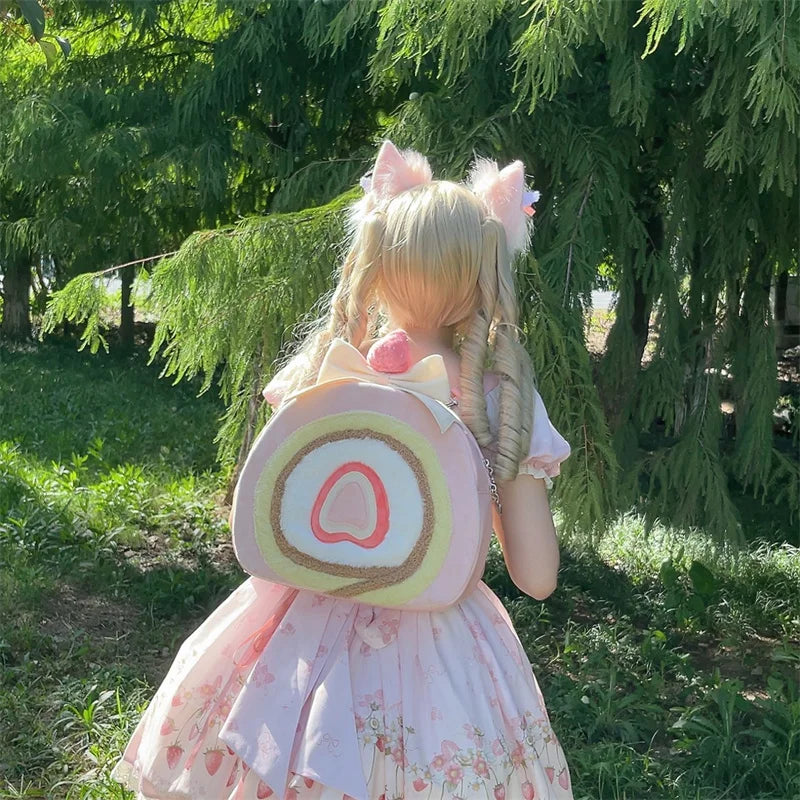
(452, 403)
(493, 486)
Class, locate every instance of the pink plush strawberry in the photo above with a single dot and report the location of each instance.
(174, 752)
(563, 779)
(213, 760)
(528, 792)
(419, 785)
(263, 791)
(499, 792)
(391, 354)
(550, 773)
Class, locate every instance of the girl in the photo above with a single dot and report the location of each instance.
(302, 696)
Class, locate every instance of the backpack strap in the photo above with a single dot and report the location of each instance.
(493, 485)
(451, 404)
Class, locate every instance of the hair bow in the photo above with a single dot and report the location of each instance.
(504, 194)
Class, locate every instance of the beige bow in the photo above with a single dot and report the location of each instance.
(427, 379)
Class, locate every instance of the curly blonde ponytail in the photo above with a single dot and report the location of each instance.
(512, 364)
(492, 335)
(474, 349)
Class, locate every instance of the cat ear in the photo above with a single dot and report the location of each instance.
(396, 171)
(504, 194)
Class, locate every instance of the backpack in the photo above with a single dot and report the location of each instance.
(365, 486)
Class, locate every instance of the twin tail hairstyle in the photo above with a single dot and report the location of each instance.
(426, 253)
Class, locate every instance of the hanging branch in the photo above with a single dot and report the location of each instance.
(572, 237)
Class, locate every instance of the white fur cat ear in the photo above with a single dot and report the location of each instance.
(505, 197)
(395, 171)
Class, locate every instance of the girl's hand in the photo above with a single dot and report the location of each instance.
(528, 536)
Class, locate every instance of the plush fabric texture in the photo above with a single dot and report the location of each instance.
(391, 353)
(395, 171)
(366, 486)
(505, 197)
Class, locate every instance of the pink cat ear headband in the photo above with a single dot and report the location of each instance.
(503, 191)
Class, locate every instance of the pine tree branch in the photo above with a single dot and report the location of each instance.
(574, 233)
(105, 24)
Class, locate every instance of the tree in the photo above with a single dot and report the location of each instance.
(665, 150)
(172, 117)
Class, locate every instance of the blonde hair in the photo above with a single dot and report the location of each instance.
(433, 257)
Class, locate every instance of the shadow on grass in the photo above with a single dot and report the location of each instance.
(55, 401)
(59, 577)
(588, 588)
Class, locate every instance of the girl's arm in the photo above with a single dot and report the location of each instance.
(528, 536)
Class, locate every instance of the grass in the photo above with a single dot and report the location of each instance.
(670, 668)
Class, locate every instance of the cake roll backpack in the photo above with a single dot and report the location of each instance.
(367, 486)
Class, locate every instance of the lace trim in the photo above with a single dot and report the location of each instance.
(537, 472)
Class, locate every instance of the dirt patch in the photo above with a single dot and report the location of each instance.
(157, 550)
(68, 611)
(751, 662)
(597, 325)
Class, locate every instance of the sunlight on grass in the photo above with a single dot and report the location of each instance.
(669, 664)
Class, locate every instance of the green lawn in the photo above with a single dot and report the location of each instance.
(670, 669)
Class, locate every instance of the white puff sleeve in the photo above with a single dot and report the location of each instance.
(547, 449)
(276, 390)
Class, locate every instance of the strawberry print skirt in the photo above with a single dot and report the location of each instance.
(294, 695)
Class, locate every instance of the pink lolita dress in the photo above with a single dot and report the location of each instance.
(300, 696)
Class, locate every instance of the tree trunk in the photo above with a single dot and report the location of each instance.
(617, 376)
(640, 321)
(754, 313)
(781, 290)
(126, 312)
(16, 323)
(642, 302)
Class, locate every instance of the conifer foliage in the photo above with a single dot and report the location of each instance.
(664, 140)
